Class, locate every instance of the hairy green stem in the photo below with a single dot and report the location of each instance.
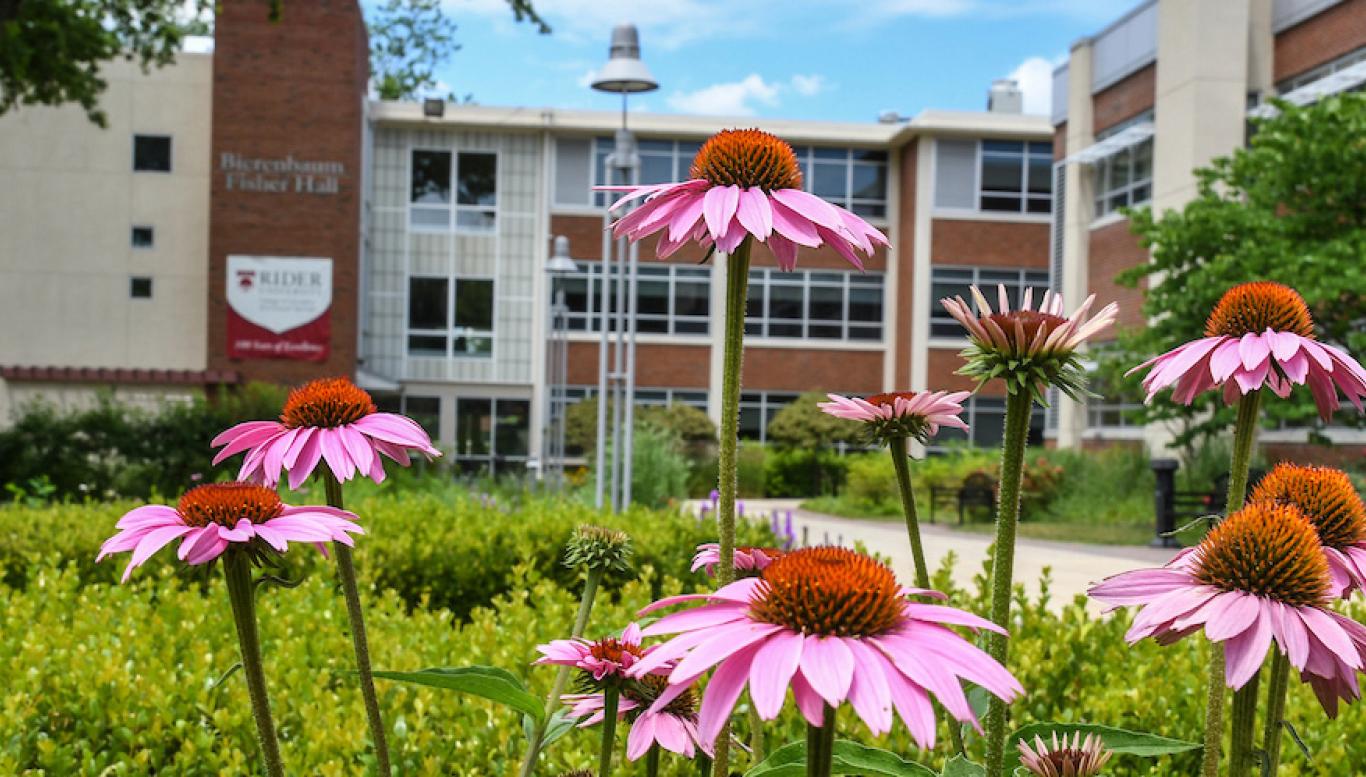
(756, 734)
(346, 572)
(1275, 710)
(1244, 437)
(534, 744)
(237, 570)
(737, 282)
(820, 745)
(652, 762)
(901, 463)
(1241, 757)
(1018, 408)
(610, 697)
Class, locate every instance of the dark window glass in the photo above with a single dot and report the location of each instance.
(474, 304)
(870, 155)
(478, 179)
(828, 181)
(152, 153)
(784, 301)
(826, 303)
(751, 423)
(870, 210)
(142, 237)
(865, 304)
(473, 345)
(837, 154)
(691, 299)
(431, 183)
(870, 182)
(473, 426)
(427, 345)
(656, 169)
(427, 300)
(652, 297)
(1001, 203)
(1040, 206)
(512, 432)
(1005, 146)
(426, 411)
(1040, 175)
(1001, 173)
(140, 288)
(655, 146)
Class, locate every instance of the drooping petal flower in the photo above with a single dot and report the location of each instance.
(902, 414)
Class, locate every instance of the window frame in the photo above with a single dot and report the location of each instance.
(764, 279)
(492, 459)
(940, 316)
(1026, 153)
(588, 321)
(453, 208)
(1103, 194)
(170, 153)
(451, 332)
(134, 281)
(133, 237)
(768, 404)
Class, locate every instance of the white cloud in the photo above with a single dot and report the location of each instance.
(586, 80)
(1035, 77)
(808, 85)
(735, 98)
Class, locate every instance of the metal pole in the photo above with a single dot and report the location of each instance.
(619, 399)
(628, 447)
(563, 420)
(600, 454)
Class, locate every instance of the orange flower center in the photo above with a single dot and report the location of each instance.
(613, 649)
(227, 503)
(1253, 308)
(888, 399)
(747, 158)
(1269, 550)
(829, 592)
(1324, 495)
(1029, 320)
(326, 402)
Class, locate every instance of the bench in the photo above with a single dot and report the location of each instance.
(977, 490)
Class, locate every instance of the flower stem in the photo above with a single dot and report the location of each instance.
(1019, 406)
(1275, 710)
(820, 745)
(533, 748)
(1244, 436)
(737, 282)
(652, 762)
(346, 572)
(237, 570)
(900, 462)
(610, 697)
(1241, 757)
(756, 734)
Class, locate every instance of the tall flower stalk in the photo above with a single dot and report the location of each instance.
(237, 572)
(820, 744)
(1031, 351)
(745, 187)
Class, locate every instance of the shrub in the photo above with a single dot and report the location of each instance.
(750, 470)
(659, 472)
(803, 472)
(801, 424)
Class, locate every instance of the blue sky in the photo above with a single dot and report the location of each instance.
(841, 61)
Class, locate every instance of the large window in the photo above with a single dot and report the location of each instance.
(1124, 179)
(814, 305)
(669, 299)
(152, 153)
(470, 207)
(1005, 176)
(954, 282)
(852, 178)
(450, 317)
(492, 435)
(986, 420)
(757, 409)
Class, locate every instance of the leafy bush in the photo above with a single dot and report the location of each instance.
(802, 424)
(750, 470)
(803, 472)
(659, 472)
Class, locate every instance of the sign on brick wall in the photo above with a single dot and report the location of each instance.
(279, 307)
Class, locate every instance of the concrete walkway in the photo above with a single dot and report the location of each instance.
(1074, 566)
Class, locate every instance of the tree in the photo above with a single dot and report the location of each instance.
(1290, 207)
(409, 39)
(801, 424)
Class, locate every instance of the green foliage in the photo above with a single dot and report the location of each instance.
(803, 472)
(749, 466)
(1289, 207)
(659, 471)
(112, 449)
(801, 424)
(848, 758)
(51, 52)
(409, 40)
(687, 423)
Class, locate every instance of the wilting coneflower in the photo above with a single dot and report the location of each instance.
(1327, 498)
(1030, 350)
(240, 523)
(833, 626)
(745, 186)
(1077, 758)
(1259, 577)
(749, 561)
(673, 728)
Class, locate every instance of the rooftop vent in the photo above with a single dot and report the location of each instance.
(1005, 96)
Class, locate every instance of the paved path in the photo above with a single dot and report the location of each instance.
(1074, 566)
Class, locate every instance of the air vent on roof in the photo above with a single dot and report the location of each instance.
(1005, 96)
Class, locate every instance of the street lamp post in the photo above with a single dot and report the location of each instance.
(623, 74)
(557, 368)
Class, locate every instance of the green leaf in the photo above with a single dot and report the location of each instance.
(490, 682)
(850, 758)
(560, 724)
(960, 766)
(1117, 739)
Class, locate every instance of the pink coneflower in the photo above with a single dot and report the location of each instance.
(744, 182)
(901, 414)
(834, 626)
(1030, 349)
(1258, 576)
(211, 518)
(1064, 759)
(1326, 497)
(607, 657)
(330, 420)
(1260, 334)
(747, 558)
(674, 727)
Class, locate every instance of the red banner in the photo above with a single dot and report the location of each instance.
(279, 307)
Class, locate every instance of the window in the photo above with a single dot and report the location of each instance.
(853, 178)
(814, 305)
(491, 434)
(152, 153)
(1017, 177)
(757, 409)
(475, 175)
(1322, 71)
(426, 411)
(450, 317)
(1112, 415)
(1124, 179)
(986, 420)
(140, 287)
(669, 299)
(142, 237)
(954, 282)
